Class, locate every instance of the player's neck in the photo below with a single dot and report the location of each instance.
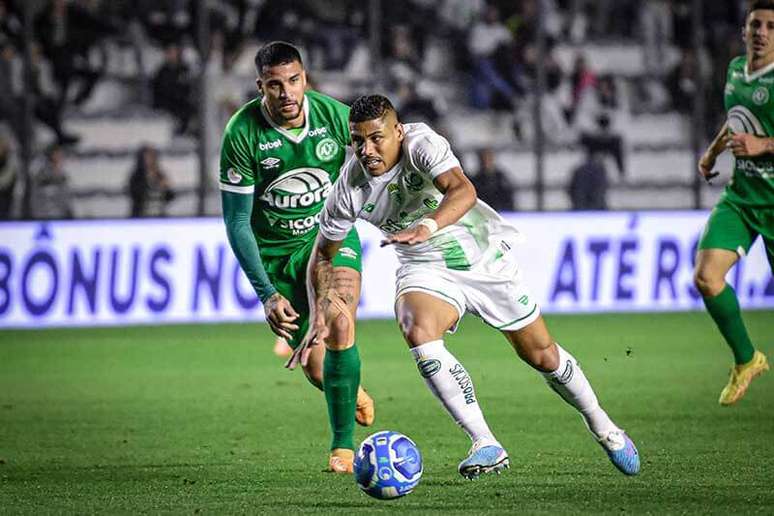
(756, 63)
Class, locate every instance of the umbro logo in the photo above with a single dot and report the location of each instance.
(348, 252)
(270, 163)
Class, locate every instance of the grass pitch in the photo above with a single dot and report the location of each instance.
(204, 419)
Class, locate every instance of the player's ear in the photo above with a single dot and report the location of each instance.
(259, 84)
(401, 133)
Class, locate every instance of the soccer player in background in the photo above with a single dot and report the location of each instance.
(456, 256)
(746, 207)
(280, 155)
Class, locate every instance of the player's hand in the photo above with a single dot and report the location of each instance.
(746, 145)
(415, 235)
(318, 332)
(706, 163)
(315, 336)
(280, 315)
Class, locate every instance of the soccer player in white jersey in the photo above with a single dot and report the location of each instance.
(455, 255)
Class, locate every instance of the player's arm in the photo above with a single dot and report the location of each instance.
(237, 185)
(459, 196)
(237, 209)
(328, 290)
(319, 284)
(715, 149)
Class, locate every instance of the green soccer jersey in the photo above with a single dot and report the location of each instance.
(289, 173)
(749, 101)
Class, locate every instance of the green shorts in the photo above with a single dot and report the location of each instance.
(734, 227)
(288, 274)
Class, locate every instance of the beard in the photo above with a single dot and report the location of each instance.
(289, 115)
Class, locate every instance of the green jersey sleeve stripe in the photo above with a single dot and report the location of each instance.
(237, 189)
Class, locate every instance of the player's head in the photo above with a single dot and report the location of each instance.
(758, 29)
(377, 134)
(281, 79)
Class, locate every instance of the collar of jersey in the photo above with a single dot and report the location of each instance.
(287, 134)
(749, 77)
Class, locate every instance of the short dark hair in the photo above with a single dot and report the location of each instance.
(760, 4)
(370, 107)
(276, 53)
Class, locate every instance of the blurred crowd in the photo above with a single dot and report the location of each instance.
(493, 45)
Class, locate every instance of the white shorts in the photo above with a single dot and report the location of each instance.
(493, 291)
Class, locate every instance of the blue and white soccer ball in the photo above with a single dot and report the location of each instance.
(388, 465)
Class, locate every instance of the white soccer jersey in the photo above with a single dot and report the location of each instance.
(404, 195)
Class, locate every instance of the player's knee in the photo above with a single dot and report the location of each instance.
(707, 283)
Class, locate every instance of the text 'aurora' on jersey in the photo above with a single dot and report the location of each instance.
(298, 188)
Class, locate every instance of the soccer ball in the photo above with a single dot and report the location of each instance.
(388, 465)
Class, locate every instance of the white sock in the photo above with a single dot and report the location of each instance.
(571, 384)
(453, 387)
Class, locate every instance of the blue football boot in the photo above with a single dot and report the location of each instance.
(622, 452)
(484, 458)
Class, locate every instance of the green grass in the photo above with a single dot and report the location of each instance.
(189, 419)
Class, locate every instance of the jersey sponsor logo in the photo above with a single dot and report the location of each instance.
(742, 120)
(326, 149)
(393, 191)
(750, 168)
(463, 380)
(270, 163)
(428, 368)
(760, 96)
(300, 226)
(348, 252)
(233, 176)
(430, 203)
(298, 188)
(320, 131)
(766, 80)
(414, 182)
(275, 144)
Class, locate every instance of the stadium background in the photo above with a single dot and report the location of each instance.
(110, 119)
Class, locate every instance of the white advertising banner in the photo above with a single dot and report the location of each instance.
(154, 271)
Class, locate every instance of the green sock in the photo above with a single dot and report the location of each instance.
(341, 378)
(724, 309)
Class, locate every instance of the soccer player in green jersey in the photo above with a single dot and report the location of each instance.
(746, 208)
(280, 155)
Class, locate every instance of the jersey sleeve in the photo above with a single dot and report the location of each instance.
(237, 172)
(432, 154)
(339, 214)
